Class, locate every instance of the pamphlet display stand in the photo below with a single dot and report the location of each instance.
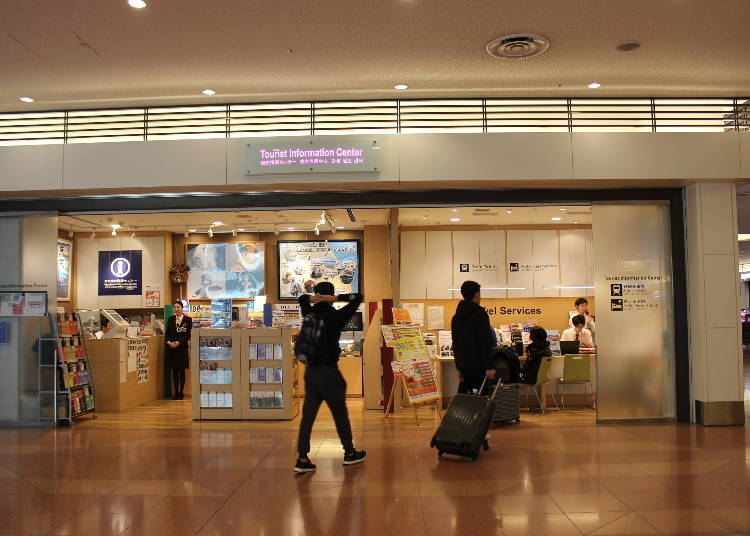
(74, 393)
(243, 373)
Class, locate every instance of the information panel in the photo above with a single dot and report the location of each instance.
(120, 272)
(31, 303)
(305, 263)
(312, 155)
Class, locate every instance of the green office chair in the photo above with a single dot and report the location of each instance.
(577, 370)
(541, 378)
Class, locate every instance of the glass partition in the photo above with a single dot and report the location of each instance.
(634, 311)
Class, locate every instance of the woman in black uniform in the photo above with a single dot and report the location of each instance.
(176, 353)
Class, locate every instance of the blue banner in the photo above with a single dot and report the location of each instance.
(120, 273)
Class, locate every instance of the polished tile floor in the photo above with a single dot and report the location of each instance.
(153, 471)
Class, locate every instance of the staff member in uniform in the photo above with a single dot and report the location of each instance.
(582, 308)
(176, 353)
(578, 332)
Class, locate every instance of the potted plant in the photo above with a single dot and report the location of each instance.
(179, 273)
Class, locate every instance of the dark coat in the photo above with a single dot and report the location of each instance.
(179, 358)
(535, 353)
(472, 338)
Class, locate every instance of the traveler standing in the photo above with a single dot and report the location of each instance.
(318, 345)
(472, 339)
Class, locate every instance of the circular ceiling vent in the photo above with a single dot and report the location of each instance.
(517, 46)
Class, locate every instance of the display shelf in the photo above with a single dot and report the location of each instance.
(74, 385)
(249, 370)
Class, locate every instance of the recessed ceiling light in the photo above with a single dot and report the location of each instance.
(217, 223)
(556, 218)
(509, 211)
(209, 92)
(240, 229)
(455, 219)
(192, 230)
(576, 221)
(340, 227)
(26, 99)
(138, 4)
(594, 85)
(114, 225)
(454, 210)
(563, 209)
(400, 86)
(290, 228)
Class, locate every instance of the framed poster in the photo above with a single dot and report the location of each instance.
(120, 273)
(64, 268)
(233, 270)
(305, 263)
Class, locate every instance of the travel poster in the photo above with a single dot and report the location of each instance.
(233, 270)
(305, 263)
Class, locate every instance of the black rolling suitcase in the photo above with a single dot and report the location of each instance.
(507, 403)
(464, 427)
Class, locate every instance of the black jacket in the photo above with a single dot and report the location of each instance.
(335, 320)
(172, 333)
(535, 353)
(472, 337)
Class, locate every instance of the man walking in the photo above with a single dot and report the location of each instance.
(473, 339)
(318, 344)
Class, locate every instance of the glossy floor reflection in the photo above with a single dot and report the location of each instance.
(153, 471)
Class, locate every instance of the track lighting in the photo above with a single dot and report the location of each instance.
(71, 233)
(234, 233)
(276, 232)
(114, 232)
(317, 231)
(132, 234)
(210, 233)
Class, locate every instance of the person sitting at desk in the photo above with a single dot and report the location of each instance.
(105, 327)
(536, 351)
(578, 332)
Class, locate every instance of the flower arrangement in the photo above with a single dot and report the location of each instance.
(179, 273)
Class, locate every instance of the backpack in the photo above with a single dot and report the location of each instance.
(507, 364)
(311, 339)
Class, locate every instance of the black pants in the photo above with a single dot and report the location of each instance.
(472, 380)
(324, 384)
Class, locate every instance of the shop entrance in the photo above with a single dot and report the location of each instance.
(247, 267)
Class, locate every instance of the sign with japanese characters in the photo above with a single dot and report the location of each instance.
(419, 379)
(120, 272)
(636, 293)
(313, 155)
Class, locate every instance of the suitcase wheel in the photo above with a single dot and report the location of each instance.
(440, 454)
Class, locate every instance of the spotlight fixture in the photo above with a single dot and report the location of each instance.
(317, 231)
(114, 232)
(209, 92)
(400, 86)
(71, 233)
(26, 99)
(594, 85)
(276, 232)
(234, 232)
(92, 235)
(210, 233)
(132, 234)
(138, 4)
(187, 234)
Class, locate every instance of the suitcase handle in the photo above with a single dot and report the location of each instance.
(498, 383)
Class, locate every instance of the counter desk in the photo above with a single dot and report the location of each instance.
(118, 386)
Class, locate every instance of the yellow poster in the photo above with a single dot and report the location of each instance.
(408, 343)
(401, 317)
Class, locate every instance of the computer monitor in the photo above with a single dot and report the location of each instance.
(570, 347)
(355, 323)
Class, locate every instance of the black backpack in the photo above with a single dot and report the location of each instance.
(311, 339)
(507, 364)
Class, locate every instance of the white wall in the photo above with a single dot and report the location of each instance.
(713, 293)
(431, 262)
(87, 270)
(520, 157)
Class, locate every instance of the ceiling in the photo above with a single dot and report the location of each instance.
(103, 53)
(306, 220)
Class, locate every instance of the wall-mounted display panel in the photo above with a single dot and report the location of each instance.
(234, 270)
(64, 268)
(305, 263)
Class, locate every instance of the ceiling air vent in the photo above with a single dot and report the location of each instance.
(517, 46)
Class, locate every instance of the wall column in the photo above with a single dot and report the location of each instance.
(713, 304)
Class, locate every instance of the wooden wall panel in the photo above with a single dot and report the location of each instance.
(438, 264)
(413, 266)
(519, 250)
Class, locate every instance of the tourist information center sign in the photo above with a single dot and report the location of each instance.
(339, 154)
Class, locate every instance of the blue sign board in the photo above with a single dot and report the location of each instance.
(120, 273)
